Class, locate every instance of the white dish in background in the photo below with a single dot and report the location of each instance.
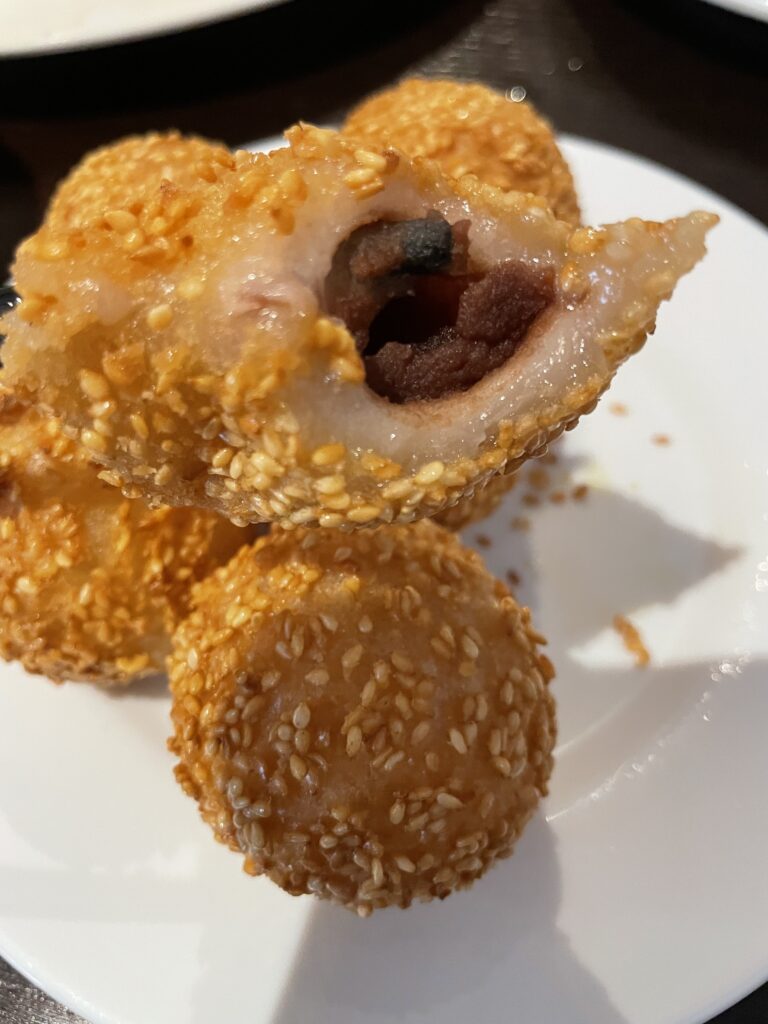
(53, 26)
(640, 896)
(749, 8)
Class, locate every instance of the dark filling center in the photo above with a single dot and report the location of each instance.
(426, 322)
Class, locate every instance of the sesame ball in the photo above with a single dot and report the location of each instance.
(365, 716)
(91, 583)
(468, 128)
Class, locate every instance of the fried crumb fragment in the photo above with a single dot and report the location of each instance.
(538, 478)
(633, 642)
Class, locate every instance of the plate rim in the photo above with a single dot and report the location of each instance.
(755, 9)
(231, 10)
(754, 977)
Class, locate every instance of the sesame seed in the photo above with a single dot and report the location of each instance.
(254, 835)
(486, 804)
(317, 677)
(375, 161)
(301, 715)
(457, 741)
(364, 513)
(381, 672)
(360, 176)
(120, 220)
(297, 642)
(298, 766)
(351, 657)
(330, 484)
(469, 647)
(328, 454)
(269, 679)
(403, 705)
(397, 812)
(377, 872)
(401, 663)
(405, 864)
(430, 473)
(94, 386)
(420, 732)
(159, 317)
(354, 740)
(397, 490)
(94, 441)
(302, 741)
(418, 822)
(393, 760)
(494, 742)
(502, 766)
(448, 800)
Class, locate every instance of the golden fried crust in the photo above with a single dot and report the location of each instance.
(137, 165)
(365, 717)
(470, 129)
(91, 583)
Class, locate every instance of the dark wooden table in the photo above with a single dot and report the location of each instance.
(679, 82)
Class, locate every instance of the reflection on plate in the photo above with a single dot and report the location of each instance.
(51, 26)
(641, 897)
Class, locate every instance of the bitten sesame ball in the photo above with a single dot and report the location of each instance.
(91, 583)
(327, 335)
(470, 129)
(364, 716)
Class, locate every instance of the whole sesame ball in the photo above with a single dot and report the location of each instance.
(364, 716)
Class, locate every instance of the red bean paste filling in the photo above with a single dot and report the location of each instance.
(427, 323)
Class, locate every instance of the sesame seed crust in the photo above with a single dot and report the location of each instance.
(198, 380)
(470, 129)
(91, 583)
(369, 769)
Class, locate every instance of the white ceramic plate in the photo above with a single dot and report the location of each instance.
(52, 26)
(749, 8)
(639, 897)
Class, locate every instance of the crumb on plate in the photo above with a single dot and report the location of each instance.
(633, 642)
